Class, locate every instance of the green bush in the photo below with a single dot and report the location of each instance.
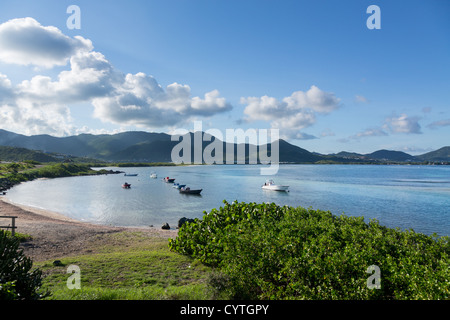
(264, 251)
(17, 280)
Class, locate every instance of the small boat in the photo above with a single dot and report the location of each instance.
(178, 186)
(169, 180)
(187, 190)
(153, 175)
(270, 185)
(126, 185)
(130, 174)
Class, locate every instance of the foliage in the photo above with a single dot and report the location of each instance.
(128, 265)
(19, 154)
(264, 251)
(17, 280)
(27, 172)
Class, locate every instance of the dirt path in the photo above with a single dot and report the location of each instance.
(55, 236)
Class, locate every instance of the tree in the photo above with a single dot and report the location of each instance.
(17, 280)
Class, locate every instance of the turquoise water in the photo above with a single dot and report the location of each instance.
(416, 197)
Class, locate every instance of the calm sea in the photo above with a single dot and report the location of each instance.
(408, 197)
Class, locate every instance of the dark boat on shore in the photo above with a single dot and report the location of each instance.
(190, 191)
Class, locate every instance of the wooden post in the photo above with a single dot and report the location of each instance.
(13, 225)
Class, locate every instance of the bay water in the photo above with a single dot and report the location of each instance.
(403, 196)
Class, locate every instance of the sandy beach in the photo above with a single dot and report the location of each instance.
(55, 236)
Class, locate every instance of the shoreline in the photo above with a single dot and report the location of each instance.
(39, 211)
(55, 236)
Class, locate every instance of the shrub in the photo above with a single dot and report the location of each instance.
(264, 251)
(17, 280)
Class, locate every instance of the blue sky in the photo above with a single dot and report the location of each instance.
(311, 69)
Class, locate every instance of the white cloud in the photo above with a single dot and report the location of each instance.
(5, 89)
(361, 99)
(26, 42)
(440, 123)
(141, 101)
(210, 105)
(371, 132)
(124, 99)
(293, 113)
(403, 124)
(392, 125)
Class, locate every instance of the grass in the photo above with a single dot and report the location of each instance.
(128, 266)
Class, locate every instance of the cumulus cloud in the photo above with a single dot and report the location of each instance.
(26, 42)
(5, 89)
(440, 123)
(403, 124)
(41, 103)
(293, 113)
(141, 101)
(371, 132)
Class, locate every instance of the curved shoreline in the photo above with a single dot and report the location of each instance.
(40, 211)
(55, 236)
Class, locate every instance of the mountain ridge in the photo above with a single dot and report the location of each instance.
(141, 146)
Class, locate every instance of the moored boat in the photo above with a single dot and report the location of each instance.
(130, 174)
(126, 185)
(169, 180)
(153, 175)
(187, 190)
(270, 185)
(178, 186)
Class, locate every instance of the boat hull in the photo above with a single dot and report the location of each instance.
(276, 188)
(191, 191)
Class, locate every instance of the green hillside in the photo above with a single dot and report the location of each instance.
(442, 154)
(22, 154)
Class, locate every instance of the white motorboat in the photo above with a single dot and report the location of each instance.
(270, 185)
(153, 175)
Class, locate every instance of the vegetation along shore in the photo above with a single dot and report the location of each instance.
(238, 251)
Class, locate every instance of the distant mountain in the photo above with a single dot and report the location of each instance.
(389, 155)
(83, 145)
(139, 146)
(442, 154)
(345, 154)
(380, 155)
(291, 153)
(21, 154)
(134, 146)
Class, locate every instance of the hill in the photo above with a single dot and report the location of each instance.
(442, 154)
(134, 146)
(21, 154)
(139, 146)
(389, 155)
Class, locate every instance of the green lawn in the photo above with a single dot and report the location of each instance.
(131, 265)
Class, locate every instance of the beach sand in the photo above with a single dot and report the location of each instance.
(55, 236)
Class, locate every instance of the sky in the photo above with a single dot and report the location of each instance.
(313, 70)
